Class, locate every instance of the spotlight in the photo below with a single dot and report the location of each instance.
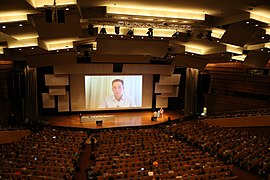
(130, 32)
(176, 34)
(200, 35)
(103, 31)
(117, 30)
(150, 32)
(208, 35)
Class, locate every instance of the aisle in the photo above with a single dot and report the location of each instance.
(83, 163)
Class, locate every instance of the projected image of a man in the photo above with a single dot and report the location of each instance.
(118, 99)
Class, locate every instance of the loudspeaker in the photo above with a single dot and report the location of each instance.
(99, 123)
(117, 67)
(48, 14)
(60, 16)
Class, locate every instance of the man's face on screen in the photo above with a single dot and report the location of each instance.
(118, 89)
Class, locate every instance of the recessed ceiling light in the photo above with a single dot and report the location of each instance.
(261, 49)
(4, 27)
(20, 25)
(20, 49)
(67, 9)
(121, 36)
(142, 37)
(247, 22)
(57, 50)
(32, 48)
(111, 36)
(256, 25)
(161, 38)
(262, 37)
(132, 37)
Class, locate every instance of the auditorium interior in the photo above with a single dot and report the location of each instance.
(197, 72)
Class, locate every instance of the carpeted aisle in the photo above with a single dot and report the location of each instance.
(244, 175)
(83, 163)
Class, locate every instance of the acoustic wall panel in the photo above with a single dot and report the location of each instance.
(174, 93)
(56, 80)
(173, 79)
(163, 88)
(57, 90)
(48, 101)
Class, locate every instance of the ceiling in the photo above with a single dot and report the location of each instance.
(215, 31)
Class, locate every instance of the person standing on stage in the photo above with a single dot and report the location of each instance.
(161, 111)
(118, 99)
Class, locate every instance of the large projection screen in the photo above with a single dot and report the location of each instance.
(87, 92)
(100, 91)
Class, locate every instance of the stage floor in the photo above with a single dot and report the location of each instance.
(120, 119)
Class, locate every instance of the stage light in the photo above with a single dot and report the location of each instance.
(103, 31)
(176, 34)
(200, 35)
(130, 32)
(209, 35)
(117, 30)
(150, 32)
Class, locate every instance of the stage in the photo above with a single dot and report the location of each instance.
(111, 119)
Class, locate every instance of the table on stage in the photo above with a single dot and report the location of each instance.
(94, 118)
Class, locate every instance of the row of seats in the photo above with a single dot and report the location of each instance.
(241, 113)
(231, 145)
(152, 152)
(50, 153)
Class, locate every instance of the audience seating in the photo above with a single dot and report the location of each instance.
(50, 154)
